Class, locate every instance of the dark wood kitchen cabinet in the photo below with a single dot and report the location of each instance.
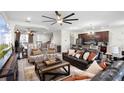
(97, 36)
(102, 36)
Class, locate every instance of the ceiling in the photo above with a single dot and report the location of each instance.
(87, 19)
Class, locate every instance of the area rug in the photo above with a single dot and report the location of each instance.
(23, 63)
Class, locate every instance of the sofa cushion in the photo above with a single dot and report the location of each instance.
(82, 61)
(78, 51)
(94, 68)
(70, 57)
(36, 58)
(71, 52)
(74, 54)
(77, 55)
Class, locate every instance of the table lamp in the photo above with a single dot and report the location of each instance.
(115, 52)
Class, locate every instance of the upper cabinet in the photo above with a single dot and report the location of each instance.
(97, 36)
(102, 36)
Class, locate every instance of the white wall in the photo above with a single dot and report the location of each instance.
(41, 37)
(65, 40)
(57, 37)
(116, 37)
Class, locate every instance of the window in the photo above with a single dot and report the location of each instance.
(5, 35)
(24, 40)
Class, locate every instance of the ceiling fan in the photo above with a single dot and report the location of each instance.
(59, 19)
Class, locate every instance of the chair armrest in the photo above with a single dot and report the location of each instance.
(64, 53)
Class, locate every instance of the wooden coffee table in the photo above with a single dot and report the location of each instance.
(42, 70)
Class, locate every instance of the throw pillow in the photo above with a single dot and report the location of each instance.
(85, 56)
(32, 51)
(94, 68)
(37, 52)
(71, 52)
(77, 55)
(92, 56)
(74, 54)
(79, 52)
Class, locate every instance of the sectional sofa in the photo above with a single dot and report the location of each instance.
(115, 72)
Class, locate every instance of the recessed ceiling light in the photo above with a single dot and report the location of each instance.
(28, 19)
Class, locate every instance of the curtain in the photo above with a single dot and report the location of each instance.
(17, 40)
(18, 36)
(30, 38)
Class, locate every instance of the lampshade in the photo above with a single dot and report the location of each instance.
(115, 50)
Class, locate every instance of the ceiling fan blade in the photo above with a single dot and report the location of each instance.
(69, 15)
(67, 22)
(49, 17)
(49, 21)
(57, 13)
(71, 19)
(53, 23)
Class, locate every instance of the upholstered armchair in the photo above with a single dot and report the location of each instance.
(35, 55)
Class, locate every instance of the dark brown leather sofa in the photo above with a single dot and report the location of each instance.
(77, 62)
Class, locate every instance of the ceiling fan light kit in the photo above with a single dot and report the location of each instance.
(59, 19)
